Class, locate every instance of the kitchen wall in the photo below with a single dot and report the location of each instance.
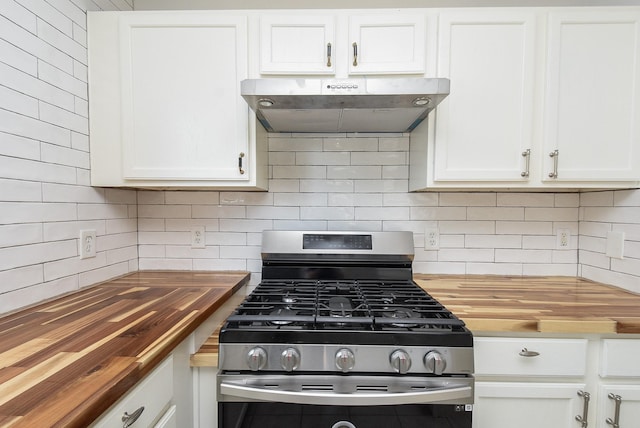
(360, 182)
(603, 212)
(45, 197)
(318, 182)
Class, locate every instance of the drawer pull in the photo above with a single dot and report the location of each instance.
(526, 353)
(585, 409)
(130, 419)
(615, 422)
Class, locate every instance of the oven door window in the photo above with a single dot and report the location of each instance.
(268, 415)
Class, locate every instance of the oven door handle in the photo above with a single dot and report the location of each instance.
(434, 396)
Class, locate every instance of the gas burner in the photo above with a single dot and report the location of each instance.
(276, 316)
(401, 313)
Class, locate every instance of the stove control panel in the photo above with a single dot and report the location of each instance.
(289, 357)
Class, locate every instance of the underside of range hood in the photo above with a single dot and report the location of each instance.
(343, 105)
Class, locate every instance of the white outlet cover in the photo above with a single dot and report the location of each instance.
(87, 244)
(615, 245)
(198, 237)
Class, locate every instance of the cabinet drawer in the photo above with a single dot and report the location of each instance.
(505, 357)
(620, 358)
(154, 392)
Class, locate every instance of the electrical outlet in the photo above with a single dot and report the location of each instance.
(615, 245)
(431, 239)
(197, 237)
(563, 239)
(87, 243)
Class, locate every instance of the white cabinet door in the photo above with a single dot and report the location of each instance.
(387, 44)
(526, 405)
(297, 44)
(183, 117)
(485, 125)
(592, 100)
(342, 44)
(165, 104)
(629, 405)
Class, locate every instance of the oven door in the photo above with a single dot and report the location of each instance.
(352, 401)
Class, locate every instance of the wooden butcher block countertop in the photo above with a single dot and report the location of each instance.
(499, 304)
(535, 304)
(64, 362)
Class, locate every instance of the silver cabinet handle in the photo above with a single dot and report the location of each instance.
(328, 54)
(355, 54)
(527, 159)
(615, 423)
(585, 410)
(526, 353)
(554, 155)
(130, 419)
(240, 156)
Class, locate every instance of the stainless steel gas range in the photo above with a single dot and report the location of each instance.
(337, 335)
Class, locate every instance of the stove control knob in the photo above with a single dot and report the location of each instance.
(256, 359)
(290, 359)
(435, 362)
(400, 361)
(345, 360)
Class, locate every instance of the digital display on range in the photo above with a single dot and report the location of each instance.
(336, 242)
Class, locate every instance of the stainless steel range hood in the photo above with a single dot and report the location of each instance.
(343, 105)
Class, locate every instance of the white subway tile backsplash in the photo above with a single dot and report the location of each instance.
(19, 147)
(522, 256)
(327, 213)
(20, 191)
(164, 211)
(18, 14)
(301, 199)
(354, 172)
(542, 269)
(490, 241)
(61, 230)
(567, 200)
(151, 251)
(281, 213)
(467, 199)
(379, 158)
(551, 214)
(218, 211)
(395, 172)
(19, 278)
(326, 186)
(246, 198)
(24, 255)
(524, 227)
(350, 144)
(495, 213)
(232, 225)
(354, 199)
(17, 58)
(394, 144)
(323, 158)
(525, 199)
(62, 41)
(494, 269)
(438, 213)
(355, 225)
(596, 199)
(29, 42)
(617, 215)
(48, 13)
(188, 198)
(18, 102)
(364, 186)
(301, 172)
(116, 240)
(70, 193)
(300, 225)
(381, 213)
(20, 234)
(627, 198)
(469, 255)
(73, 266)
(186, 252)
(13, 123)
(295, 144)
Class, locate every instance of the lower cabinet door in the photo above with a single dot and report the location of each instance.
(527, 405)
(628, 398)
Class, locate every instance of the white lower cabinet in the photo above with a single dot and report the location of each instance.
(572, 382)
(529, 382)
(526, 404)
(146, 403)
(619, 384)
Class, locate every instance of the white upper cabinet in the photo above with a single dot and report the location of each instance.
(541, 98)
(166, 109)
(343, 44)
(592, 98)
(387, 44)
(485, 125)
(293, 44)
